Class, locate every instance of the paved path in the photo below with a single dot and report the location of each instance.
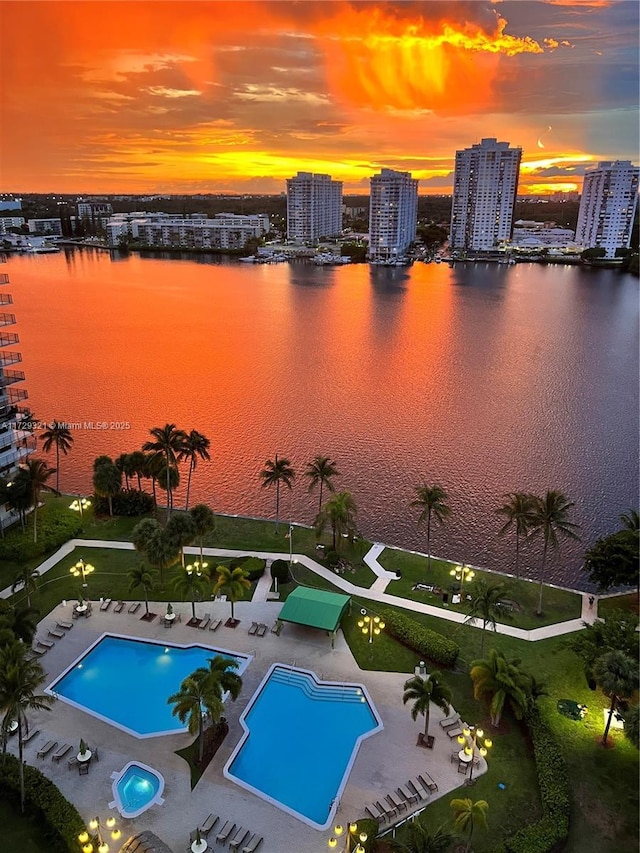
(375, 593)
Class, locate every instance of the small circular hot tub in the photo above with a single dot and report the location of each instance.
(135, 788)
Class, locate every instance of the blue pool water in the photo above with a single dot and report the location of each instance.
(136, 788)
(127, 682)
(302, 739)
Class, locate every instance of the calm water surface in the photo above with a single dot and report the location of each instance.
(486, 378)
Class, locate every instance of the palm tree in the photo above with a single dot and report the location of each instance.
(161, 552)
(167, 446)
(152, 467)
(468, 815)
(204, 522)
(34, 473)
(222, 677)
(125, 464)
(141, 578)
(27, 578)
(182, 530)
(417, 838)
(277, 472)
(340, 512)
(60, 437)
(107, 481)
(192, 584)
(518, 510)
(550, 517)
(22, 622)
(632, 725)
(432, 503)
(20, 678)
(137, 464)
(617, 676)
(172, 474)
(499, 680)
(195, 446)
(320, 471)
(196, 697)
(232, 583)
(485, 605)
(422, 692)
(630, 520)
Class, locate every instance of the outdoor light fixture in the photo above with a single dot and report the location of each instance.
(473, 740)
(79, 505)
(350, 838)
(462, 573)
(370, 625)
(197, 567)
(82, 569)
(95, 841)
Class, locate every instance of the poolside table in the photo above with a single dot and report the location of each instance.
(199, 846)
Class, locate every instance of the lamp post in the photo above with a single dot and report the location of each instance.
(472, 739)
(462, 573)
(352, 841)
(94, 840)
(82, 569)
(79, 505)
(370, 625)
(199, 569)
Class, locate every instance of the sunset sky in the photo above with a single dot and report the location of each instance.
(169, 97)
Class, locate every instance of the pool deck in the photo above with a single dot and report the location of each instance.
(385, 760)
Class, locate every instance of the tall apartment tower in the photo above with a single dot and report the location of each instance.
(314, 207)
(393, 214)
(485, 184)
(15, 443)
(607, 206)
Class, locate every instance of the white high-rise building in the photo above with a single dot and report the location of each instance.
(314, 207)
(393, 214)
(485, 184)
(607, 206)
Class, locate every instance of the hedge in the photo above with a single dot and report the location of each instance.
(280, 571)
(54, 529)
(128, 502)
(429, 644)
(253, 566)
(61, 819)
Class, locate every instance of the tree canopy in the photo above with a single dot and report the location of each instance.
(614, 560)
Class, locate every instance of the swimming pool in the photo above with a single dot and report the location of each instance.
(136, 788)
(126, 681)
(301, 738)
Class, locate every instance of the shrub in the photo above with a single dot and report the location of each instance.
(429, 644)
(55, 527)
(254, 567)
(280, 571)
(62, 820)
(128, 502)
(332, 558)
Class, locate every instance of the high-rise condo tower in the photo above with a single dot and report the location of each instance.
(607, 206)
(393, 212)
(314, 207)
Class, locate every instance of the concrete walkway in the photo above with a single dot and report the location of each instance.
(375, 593)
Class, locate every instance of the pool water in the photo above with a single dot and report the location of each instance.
(136, 788)
(127, 682)
(301, 739)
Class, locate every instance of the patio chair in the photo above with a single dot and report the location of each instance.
(106, 604)
(253, 629)
(410, 797)
(205, 623)
(376, 813)
(37, 651)
(119, 607)
(277, 627)
(168, 623)
(46, 749)
(416, 787)
(83, 769)
(133, 608)
(33, 733)
(454, 733)
(215, 625)
(208, 824)
(60, 752)
(239, 838)
(395, 801)
(428, 782)
(262, 630)
(463, 767)
(53, 632)
(450, 721)
(387, 810)
(75, 615)
(254, 842)
(72, 762)
(95, 753)
(454, 757)
(225, 832)
(66, 625)
(48, 644)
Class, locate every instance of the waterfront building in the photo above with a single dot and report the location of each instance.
(607, 206)
(531, 234)
(314, 207)
(94, 215)
(485, 185)
(15, 443)
(45, 226)
(393, 214)
(10, 203)
(7, 222)
(224, 231)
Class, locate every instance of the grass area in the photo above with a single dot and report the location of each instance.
(559, 605)
(21, 833)
(629, 603)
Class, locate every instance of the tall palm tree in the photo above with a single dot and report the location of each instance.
(27, 578)
(320, 472)
(20, 678)
(195, 698)
(167, 446)
(192, 584)
(551, 518)
(617, 676)
(432, 503)
(34, 473)
(125, 464)
(162, 552)
(60, 437)
(137, 462)
(181, 528)
(152, 468)
(484, 605)
(468, 815)
(274, 473)
(518, 510)
(222, 677)
(172, 475)
(196, 446)
(418, 838)
(632, 725)
(630, 520)
(204, 522)
(232, 583)
(340, 512)
(141, 578)
(422, 692)
(499, 681)
(22, 622)
(107, 480)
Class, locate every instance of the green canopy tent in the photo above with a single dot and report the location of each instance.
(316, 608)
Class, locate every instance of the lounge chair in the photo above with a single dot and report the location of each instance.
(38, 652)
(239, 838)
(205, 623)
(48, 644)
(454, 733)
(106, 604)
(207, 825)
(254, 842)
(60, 752)
(375, 812)
(387, 809)
(119, 607)
(416, 787)
(450, 721)
(410, 797)
(52, 632)
(215, 624)
(277, 627)
(428, 782)
(395, 801)
(133, 608)
(262, 630)
(46, 749)
(225, 832)
(66, 625)
(72, 762)
(30, 736)
(253, 629)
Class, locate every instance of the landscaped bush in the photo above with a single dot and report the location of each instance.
(254, 567)
(62, 820)
(332, 558)
(55, 527)
(280, 571)
(429, 644)
(128, 502)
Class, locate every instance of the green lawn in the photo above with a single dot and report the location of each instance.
(22, 833)
(628, 603)
(558, 605)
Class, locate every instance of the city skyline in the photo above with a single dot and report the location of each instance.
(236, 97)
